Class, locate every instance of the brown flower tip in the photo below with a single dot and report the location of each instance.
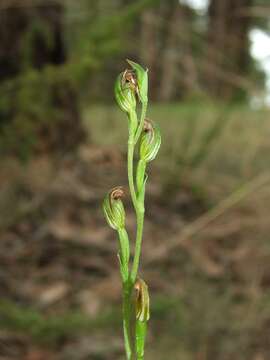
(129, 78)
(147, 126)
(142, 300)
(117, 193)
(138, 289)
(148, 129)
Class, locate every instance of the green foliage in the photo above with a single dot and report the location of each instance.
(53, 328)
(30, 104)
(27, 102)
(102, 38)
(38, 29)
(218, 321)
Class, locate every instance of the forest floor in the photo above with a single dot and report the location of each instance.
(206, 245)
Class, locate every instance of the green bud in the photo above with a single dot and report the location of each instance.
(142, 301)
(125, 93)
(142, 81)
(150, 141)
(142, 306)
(113, 208)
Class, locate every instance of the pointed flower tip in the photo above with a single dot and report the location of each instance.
(131, 63)
(142, 80)
(135, 65)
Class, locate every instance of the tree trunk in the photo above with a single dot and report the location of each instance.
(227, 55)
(166, 50)
(179, 73)
(149, 48)
(170, 57)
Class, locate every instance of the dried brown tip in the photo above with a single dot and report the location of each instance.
(147, 126)
(129, 77)
(148, 129)
(138, 290)
(117, 193)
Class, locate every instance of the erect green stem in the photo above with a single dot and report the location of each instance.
(142, 118)
(124, 253)
(138, 201)
(141, 329)
(140, 219)
(138, 204)
(128, 100)
(126, 318)
(140, 178)
(138, 244)
(131, 171)
(128, 285)
(131, 145)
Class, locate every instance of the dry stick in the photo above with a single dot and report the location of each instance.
(198, 225)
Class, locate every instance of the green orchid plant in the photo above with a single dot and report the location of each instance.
(131, 93)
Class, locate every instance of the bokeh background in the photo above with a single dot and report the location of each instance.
(206, 252)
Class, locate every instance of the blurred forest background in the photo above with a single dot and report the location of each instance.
(206, 253)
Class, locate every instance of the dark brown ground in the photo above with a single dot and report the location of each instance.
(58, 259)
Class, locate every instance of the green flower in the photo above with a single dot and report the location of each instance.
(113, 208)
(142, 301)
(150, 141)
(125, 92)
(142, 81)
